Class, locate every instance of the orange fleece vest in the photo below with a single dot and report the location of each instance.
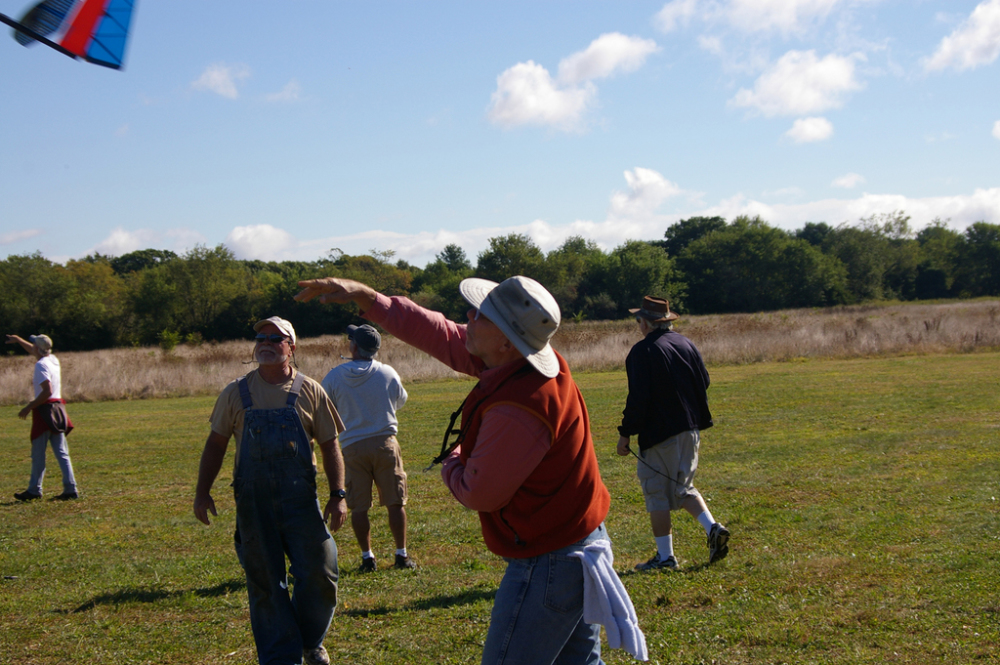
(564, 499)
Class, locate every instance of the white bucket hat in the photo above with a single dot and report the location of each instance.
(524, 311)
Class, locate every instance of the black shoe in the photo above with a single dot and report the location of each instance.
(66, 496)
(367, 566)
(27, 496)
(656, 563)
(404, 563)
(718, 543)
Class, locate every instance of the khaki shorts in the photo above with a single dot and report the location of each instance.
(376, 460)
(676, 458)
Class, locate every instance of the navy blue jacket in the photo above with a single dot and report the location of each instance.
(667, 389)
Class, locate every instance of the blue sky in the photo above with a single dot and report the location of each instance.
(287, 129)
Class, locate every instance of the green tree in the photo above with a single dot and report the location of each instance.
(510, 255)
(683, 233)
(979, 261)
(631, 271)
(940, 248)
(140, 260)
(751, 266)
(567, 268)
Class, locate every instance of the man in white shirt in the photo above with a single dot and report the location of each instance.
(49, 421)
(367, 394)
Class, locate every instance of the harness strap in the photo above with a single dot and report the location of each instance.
(245, 393)
(293, 394)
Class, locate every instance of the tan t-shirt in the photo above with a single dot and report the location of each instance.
(319, 417)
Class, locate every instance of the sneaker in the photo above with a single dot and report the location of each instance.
(66, 496)
(318, 656)
(670, 563)
(404, 562)
(367, 566)
(718, 543)
(27, 496)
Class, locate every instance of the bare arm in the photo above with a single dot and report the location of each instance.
(42, 398)
(208, 471)
(337, 290)
(25, 344)
(333, 466)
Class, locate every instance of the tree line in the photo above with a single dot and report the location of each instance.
(702, 265)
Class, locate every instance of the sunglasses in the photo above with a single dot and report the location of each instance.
(273, 338)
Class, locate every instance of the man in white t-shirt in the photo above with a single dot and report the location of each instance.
(49, 421)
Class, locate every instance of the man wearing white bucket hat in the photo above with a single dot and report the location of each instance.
(523, 459)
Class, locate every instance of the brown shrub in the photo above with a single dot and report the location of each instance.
(839, 332)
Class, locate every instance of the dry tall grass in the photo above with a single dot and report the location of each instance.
(841, 332)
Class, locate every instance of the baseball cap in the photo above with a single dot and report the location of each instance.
(366, 337)
(42, 342)
(281, 324)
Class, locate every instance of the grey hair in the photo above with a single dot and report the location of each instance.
(367, 355)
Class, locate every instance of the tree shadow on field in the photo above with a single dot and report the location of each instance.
(135, 595)
(435, 602)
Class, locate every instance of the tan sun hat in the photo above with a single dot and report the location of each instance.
(524, 311)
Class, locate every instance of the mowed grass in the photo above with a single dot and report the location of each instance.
(861, 494)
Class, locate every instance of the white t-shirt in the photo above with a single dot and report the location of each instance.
(47, 369)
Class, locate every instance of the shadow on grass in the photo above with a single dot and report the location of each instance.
(435, 602)
(155, 595)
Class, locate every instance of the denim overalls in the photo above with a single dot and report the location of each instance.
(277, 513)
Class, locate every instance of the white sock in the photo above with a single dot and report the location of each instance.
(706, 520)
(368, 555)
(665, 546)
(401, 552)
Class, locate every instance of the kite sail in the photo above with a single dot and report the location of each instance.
(95, 30)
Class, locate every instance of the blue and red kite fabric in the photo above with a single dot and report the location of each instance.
(95, 30)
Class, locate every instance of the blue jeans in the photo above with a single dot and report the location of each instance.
(537, 616)
(61, 450)
(278, 514)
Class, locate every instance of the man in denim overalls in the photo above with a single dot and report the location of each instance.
(275, 412)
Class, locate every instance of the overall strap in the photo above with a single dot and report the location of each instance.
(245, 393)
(293, 393)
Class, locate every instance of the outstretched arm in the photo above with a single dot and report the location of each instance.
(208, 471)
(337, 290)
(25, 344)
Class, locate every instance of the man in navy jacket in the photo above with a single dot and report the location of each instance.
(667, 406)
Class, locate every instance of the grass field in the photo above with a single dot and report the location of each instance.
(861, 494)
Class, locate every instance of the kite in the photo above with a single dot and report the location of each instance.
(94, 30)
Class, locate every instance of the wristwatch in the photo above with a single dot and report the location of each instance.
(339, 494)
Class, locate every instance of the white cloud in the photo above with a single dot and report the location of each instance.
(121, 241)
(800, 83)
(674, 14)
(848, 181)
(975, 42)
(221, 79)
(260, 241)
(810, 130)
(647, 190)
(609, 53)
(290, 93)
(996, 130)
(749, 16)
(17, 236)
(785, 16)
(527, 94)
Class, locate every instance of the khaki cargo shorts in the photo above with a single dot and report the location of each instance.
(374, 461)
